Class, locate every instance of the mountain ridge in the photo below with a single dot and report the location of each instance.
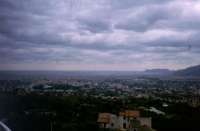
(192, 71)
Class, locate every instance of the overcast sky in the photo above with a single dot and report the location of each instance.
(99, 34)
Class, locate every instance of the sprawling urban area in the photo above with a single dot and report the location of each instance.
(100, 102)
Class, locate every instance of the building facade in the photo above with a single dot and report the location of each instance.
(126, 121)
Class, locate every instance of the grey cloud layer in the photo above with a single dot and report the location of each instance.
(146, 32)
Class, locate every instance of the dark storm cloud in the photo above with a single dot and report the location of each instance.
(132, 3)
(94, 26)
(142, 21)
(145, 32)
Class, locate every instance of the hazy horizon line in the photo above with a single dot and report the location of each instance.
(98, 70)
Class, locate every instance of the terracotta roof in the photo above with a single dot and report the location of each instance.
(104, 118)
(130, 113)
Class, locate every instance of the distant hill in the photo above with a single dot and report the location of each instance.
(190, 72)
(193, 71)
(158, 72)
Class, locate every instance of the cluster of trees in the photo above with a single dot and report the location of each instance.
(78, 113)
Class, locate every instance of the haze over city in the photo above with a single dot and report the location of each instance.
(99, 34)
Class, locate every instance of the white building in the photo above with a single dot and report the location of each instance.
(125, 121)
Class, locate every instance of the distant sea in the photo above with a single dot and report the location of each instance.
(14, 75)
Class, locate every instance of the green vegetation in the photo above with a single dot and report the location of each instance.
(78, 113)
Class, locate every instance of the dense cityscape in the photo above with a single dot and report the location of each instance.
(62, 103)
(170, 90)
